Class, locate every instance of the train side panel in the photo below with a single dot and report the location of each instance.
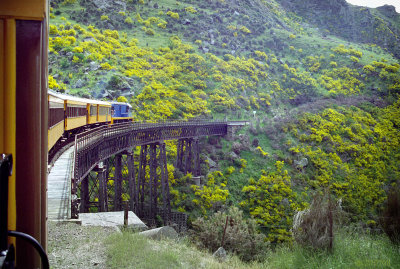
(76, 114)
(104, 114)
(92, 110)
(56, 120)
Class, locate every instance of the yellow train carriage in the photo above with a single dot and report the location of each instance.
(76, 113)
(104, 114)
(92, 112)
(55, 119)
(98, 111)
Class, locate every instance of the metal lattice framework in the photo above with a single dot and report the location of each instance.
(100, 150)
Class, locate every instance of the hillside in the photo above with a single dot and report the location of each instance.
(319, 83)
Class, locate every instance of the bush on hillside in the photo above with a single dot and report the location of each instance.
(314, 226)
(390, 219)
(241, 238)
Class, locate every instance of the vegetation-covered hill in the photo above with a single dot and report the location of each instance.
(320, 83)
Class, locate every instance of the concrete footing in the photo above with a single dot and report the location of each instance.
(111, 219)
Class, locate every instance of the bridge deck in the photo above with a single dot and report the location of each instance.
(59, 187)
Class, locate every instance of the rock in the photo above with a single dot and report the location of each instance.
(94, 66)
(244, 140)
(211, 163)
(101, 4)
(79, 84)
(301, 164)
(186, 22)
(161, 233)
(233, 156)
(106, 4)
(388, 10)
(255, 142)
(89, 39)
(220, 254)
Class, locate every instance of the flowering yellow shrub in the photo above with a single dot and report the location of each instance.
(191, 10)
(354, 152)
(245, 30)
(106, 66)
(128, 20)
(272, 202)
(52, 83)
(173, 14)
(263, 153)
(213, 192)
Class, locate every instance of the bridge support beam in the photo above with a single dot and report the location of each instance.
(84, 195)
(131, 181)
(118, 183)
(103, 200)
(188, 156)
(141, 179)
(149, 190)
(153, 181)
(165, 185)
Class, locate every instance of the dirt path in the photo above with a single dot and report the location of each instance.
(73, 246)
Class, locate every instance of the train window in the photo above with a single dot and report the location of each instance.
(56, 113)
(104, 110)
(93, 110)
(76, 111)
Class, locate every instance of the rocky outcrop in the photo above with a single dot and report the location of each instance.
(354, 23)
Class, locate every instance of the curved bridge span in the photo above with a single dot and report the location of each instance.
(104, 172)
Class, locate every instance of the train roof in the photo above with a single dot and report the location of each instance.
(77, 99)
(120, 103)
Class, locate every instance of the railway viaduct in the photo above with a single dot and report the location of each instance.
(100, 172)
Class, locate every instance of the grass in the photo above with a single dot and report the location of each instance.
(131, 250)
(351, 250)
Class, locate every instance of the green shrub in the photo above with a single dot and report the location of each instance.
(313, 227)
(390, 219)
(241, 238)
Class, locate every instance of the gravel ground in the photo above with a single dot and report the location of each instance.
(73, 246)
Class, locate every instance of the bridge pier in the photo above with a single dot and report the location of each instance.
(103, 199)
(84, 206)
(131, 182)
(117, 183)
(188, 156)
(141, 180)
(154, 156)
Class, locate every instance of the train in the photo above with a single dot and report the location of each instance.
(23, 131)
(69, 115)
(32, 122)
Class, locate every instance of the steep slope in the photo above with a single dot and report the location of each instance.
(379, 26)
(323, 106)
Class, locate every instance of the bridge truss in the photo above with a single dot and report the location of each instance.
(105, 173)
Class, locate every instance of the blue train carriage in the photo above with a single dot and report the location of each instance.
(121, 112)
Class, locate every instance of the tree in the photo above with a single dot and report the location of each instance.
(122, 99)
